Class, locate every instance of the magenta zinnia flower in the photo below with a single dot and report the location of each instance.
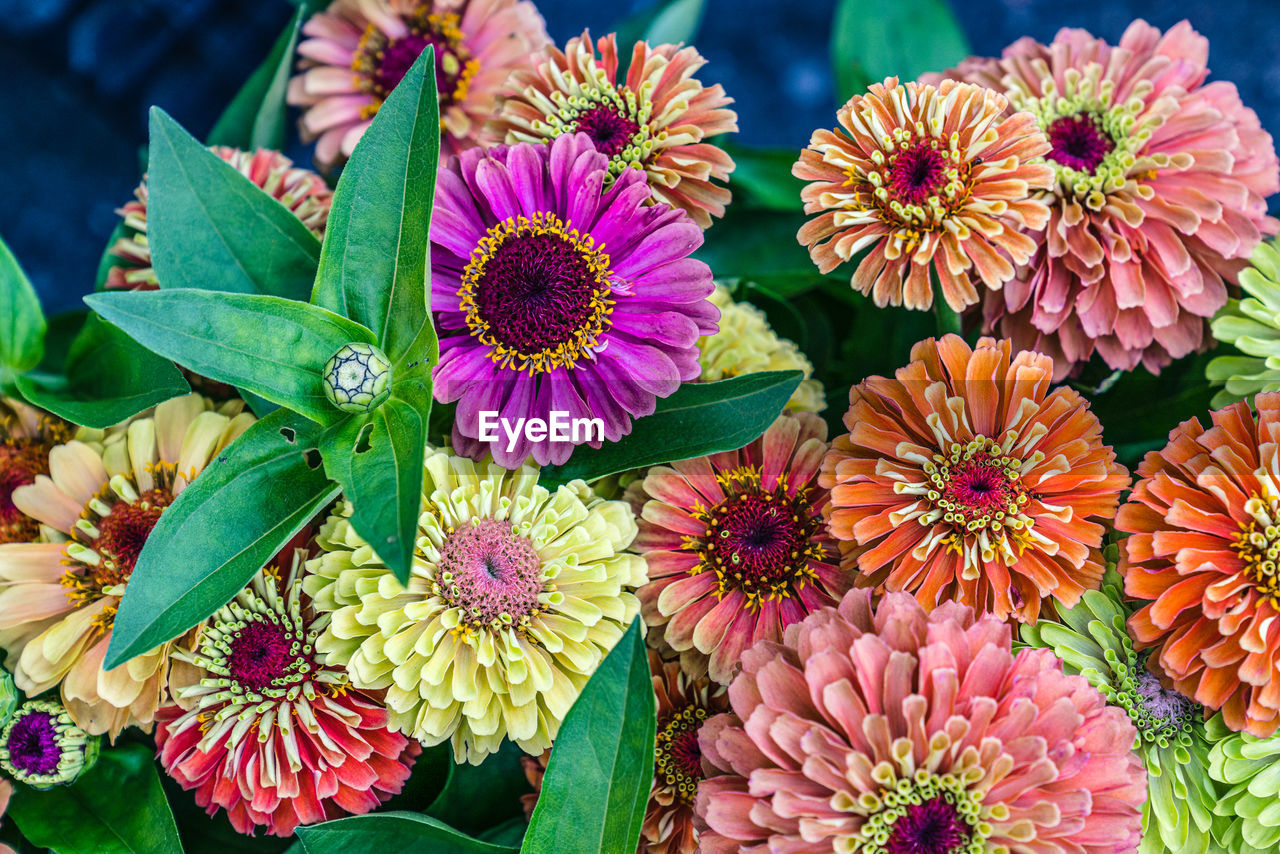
(893, 731)
(553, 294)
(1158, 201)
(358, 51)
(736, 545)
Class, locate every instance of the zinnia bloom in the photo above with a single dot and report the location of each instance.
(655, 119)
(1092, 640)
(736, 545)
(1252, 326)
(964, 477)
(42, 747)
(553, 293)
(894, 731)
(266, 728)
(929, 181)
(300, 190)
(1245, 767)
(746, 344)
(26, 436)
(60, 598)
(516, 595)
(1158, 197)
(358, 51)
(1205, 524)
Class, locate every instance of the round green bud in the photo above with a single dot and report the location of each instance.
(42, 747)
(8, 697)
(357, 378)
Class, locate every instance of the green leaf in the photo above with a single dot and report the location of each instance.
(699, 419)
(225, 526)
(670, 22)
(22, 323)
(872, 41)
(116, 807)
(378, 461)
(109, 259)
(380, 833)
(597, 784)
(762, 178)
(751, 243)
(476, 796)
(373, 265)
(274, 347)
(212, 228)
(256, 116)
(107, 378)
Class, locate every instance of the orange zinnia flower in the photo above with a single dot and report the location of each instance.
(965, 478)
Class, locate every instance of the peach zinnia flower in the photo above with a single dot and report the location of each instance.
(358, 51)
(894, 731)
(102, 499)
(1157, 201)
(1204, 521)
(966, 478)
(656, 118)
(26, 436)
(302, 191)
(931, 181)
(736, 545)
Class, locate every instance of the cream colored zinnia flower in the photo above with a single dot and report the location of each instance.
(516, 595)
(747, 344)
(99, 502)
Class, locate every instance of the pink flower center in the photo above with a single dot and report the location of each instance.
(123, 532)
(383, 62)
(609, 130)
(33, 744)
(20, 461)
(980, 486)
(678, 756)
(932, 827)
(1078, 143)
(490, 573)
(261, 654)
(916, 175)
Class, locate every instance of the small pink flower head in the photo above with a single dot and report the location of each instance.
(893, 731)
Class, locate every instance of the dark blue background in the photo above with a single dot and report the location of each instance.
(79, 75)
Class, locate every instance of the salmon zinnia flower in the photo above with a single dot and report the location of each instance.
(930, 181)
(656, 118)
(27, 435)
(357, 51)
(966, 478)
(893, 731)
(1204, 525)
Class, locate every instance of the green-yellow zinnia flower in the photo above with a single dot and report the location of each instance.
(1249, 770)
(1252, 325)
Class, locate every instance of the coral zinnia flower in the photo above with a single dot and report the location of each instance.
(1252, 326)
(516, 595)
(26, 436)
(300, 190)
(551, 293)
(897, 731)
(60, 598)
(1205, 526)
(265, 728)
(966, 478)
(746, 344)
(357, 51)
(654, 120)
(931, 181)
(42, 747)
(736, 545)
(1158, 197)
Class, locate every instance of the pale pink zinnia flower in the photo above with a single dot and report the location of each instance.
(894, 731)
(1158, 199)
(358, 51)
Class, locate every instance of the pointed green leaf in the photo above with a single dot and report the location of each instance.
(665, 22)
(22, 323)
(597, 784)
(274, 347)
(378, 461)
(474, 797)
(107, 378)
(762, 178)
(381, 833)
(699, 419)
(225, 526)
(116, 807)
(872, 41)
(212, 228)
(373, 266)
(256, 116)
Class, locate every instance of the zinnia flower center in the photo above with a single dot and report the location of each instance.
(678, 756)
(538, 293)
(617, 120)
(760, 542)
(33, 744)
(491, 574)
(264, 653)
(611, 131)
(1166, 713)
(917, 174)
(916, 185)
(1258, 545)
(21, 460)
(382, 62)
(926, 814)
(1078, 142)
(933, 827)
